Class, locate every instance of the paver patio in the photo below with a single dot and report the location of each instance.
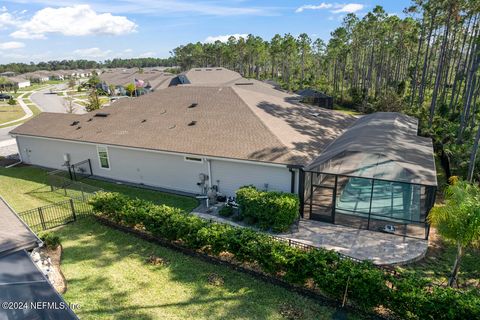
(380, 248)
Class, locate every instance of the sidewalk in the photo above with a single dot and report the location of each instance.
(26, 109)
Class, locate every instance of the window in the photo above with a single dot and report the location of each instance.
(192, 159)
(103, 157)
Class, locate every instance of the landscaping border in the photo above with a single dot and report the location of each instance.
(259, 275)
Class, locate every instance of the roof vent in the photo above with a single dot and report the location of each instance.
(192, 123)
(78, 128)
(208, 69)
(101, 114)
(74, 123)
(193, 105)
(172, 126)
(89, 119)
(198, 69)
(244, 84)
(144, 120)
(219, 69)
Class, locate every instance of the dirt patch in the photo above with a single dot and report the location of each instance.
(215, 280)
(290, 312)
(157, 261)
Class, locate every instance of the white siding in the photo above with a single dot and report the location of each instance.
(153, 168)
(233, 175)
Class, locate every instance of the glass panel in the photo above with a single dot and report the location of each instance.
(353, 195)
(104, 162)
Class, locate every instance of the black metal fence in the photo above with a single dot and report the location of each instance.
(56, 214)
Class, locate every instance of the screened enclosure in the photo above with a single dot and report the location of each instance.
(378, 175)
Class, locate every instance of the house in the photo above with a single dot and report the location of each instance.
(37, 76)
(7, 74)
(19, 82)
(122, 77)
(56, 75)
(316, 97)
(229, 132)
(21, 280)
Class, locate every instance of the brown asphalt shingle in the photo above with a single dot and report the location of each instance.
(252, 122)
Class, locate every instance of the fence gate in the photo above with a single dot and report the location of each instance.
(81, 170)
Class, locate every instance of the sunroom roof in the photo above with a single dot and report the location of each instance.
(382, 145)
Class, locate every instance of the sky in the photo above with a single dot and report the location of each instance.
(43, 30)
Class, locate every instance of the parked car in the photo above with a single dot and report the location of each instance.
(4, 96)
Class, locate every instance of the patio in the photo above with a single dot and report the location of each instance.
(380, 248)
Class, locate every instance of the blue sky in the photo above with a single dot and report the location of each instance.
(41, 30)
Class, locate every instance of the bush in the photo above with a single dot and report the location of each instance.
(12, 102)
(226, 211)
(50, 240)
(409, 297)
(268, 209)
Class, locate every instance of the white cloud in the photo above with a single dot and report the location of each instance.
(11, 45)
(322, 5)
(78, 20)
(148, 54)
(349, 8)
(92, 53)
(337, 7)
(3, 9)
(6, 19)
(224, 38)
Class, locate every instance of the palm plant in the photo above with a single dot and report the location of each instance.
(458, 220)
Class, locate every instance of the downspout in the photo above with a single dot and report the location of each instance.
(301, 184)
(209, 166)
(292, 183)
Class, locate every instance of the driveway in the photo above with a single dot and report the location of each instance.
(8, 145)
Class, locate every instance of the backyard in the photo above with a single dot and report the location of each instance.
(108, 274)
(26, 187)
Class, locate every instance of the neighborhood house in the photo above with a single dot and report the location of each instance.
(213, 128)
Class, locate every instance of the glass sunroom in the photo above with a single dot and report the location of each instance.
(378, 175)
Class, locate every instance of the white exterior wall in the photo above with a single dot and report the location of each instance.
(23, 84)
(164, 170)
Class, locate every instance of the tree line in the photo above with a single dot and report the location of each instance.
(87, 64)
(425, 64)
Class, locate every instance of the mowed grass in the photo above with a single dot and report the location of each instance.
(438, 264)
(108, 275)
(26, 187)
(10, 113)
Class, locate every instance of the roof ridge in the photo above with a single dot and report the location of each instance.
(292, 150)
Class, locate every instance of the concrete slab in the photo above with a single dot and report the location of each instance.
(380, 248)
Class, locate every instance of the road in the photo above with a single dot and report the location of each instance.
(49, 102)
(8, 145)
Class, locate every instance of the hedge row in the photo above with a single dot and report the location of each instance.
(368, 286)
(268, 209)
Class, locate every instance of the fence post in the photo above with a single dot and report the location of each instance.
(83, 194)
(72, 206)
(42, 219)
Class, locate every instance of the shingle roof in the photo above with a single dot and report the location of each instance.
(211, 76)
(14, 235)
(231, 122)
(122, 77)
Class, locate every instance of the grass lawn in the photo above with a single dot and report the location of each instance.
(25, 188)
(32, 107)
(10, 113)
(438, 264)
(108, 275)
(346, 110)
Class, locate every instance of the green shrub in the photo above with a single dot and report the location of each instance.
(409, 298)
(12, 102)
(50, 240)
(226, 211)
(268, 209)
